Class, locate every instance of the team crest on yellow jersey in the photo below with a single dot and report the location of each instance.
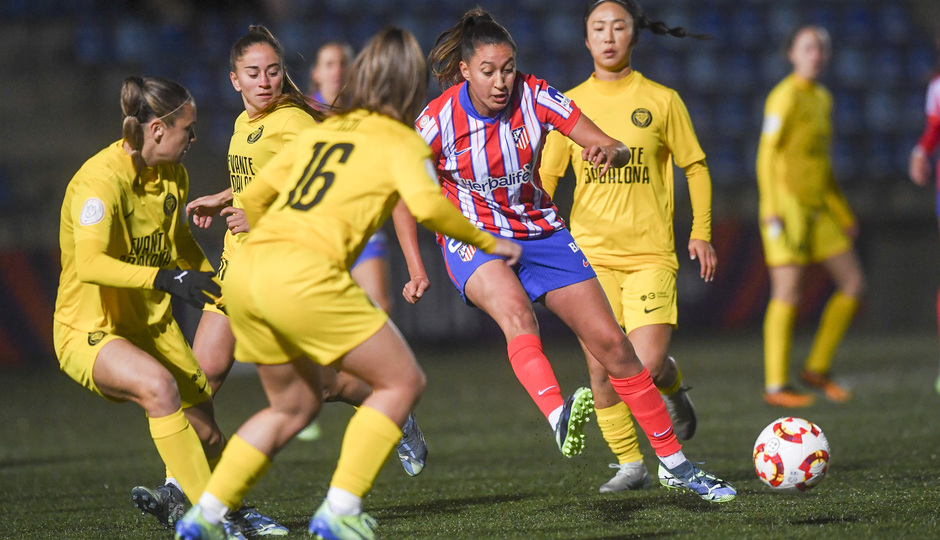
(255, 135)
(641, 118)
(95, 338)
(169, 204)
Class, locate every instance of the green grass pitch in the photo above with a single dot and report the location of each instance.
(68, 459)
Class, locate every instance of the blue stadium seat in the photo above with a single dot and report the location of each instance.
(847, 114)
(134, 41)
(851, 67)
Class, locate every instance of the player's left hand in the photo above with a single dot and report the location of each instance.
(235, 219)
(414, 289)
(707, 257)
(599, 157)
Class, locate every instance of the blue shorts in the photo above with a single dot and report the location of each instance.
(376, 247)
(546, 264)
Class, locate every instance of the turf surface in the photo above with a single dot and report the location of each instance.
(68, 458)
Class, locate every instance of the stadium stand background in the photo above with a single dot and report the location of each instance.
(63, 61)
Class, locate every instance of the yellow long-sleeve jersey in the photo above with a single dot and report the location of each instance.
(253, 144)
(624, 219)
(117, 228)
(793, 157)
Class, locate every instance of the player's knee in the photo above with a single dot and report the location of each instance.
(613, 347)
(518, 319)
(854, 285)
(158, 394)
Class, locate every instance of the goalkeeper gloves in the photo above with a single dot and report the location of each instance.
(194, 287)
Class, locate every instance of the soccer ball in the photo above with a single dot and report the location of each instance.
(791, 454)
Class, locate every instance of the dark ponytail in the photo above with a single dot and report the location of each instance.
(641, 21)
(460, 42)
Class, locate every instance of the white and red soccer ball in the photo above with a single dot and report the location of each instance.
(791, 454)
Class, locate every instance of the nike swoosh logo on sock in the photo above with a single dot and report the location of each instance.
(663, 433)
(542, 391)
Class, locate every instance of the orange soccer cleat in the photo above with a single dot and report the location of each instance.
(788, 398)
(830, 389)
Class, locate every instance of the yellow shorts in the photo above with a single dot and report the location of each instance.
(640, 297)
(807, 236)
(286, 301)
(77, 352)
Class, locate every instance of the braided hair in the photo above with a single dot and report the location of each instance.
(641, 21)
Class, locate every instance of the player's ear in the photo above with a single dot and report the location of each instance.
(465, 70)
(157, 129)
(234, 79)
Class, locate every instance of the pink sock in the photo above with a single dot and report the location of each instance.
(639, 393)
(535, 373)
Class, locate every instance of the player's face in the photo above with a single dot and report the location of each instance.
(490, 74)
(330, 71)
(172, 142)
(609, 37)
(258, 77)
(809, 54)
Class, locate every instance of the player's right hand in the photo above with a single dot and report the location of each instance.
(192, 286)
(203, 208)
(414, 289)
(509, 250)
(918, 167)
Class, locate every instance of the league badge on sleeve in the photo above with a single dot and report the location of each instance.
(559, 98)
(92, 211)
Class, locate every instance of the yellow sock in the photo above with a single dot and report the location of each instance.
(674, 387)
(181, 451)
(778, 335)
(240, 468)
(835, 321)
(617, 427)
(370, 437)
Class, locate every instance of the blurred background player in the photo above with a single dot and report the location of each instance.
(328, 73)
(124, 246)
(486, 133)
(294, 305)
(804, 218)
(623, 221)
(275, 112)
(919, 167)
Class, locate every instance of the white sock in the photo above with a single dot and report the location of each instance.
(172, 482)
(343, 502)
(554, 416)
(674, 460)
(213, 510)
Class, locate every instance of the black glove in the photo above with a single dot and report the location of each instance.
(190, 285)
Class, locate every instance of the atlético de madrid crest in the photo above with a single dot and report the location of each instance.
(521, 137)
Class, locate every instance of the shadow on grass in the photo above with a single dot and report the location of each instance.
(447, 506)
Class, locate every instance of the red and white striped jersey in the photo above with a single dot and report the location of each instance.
(930, 138)
(488, 167)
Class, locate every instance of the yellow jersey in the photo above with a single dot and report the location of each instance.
(253, 144)
(116, 229)
(793, 154)
(624, 219)
(337, 183)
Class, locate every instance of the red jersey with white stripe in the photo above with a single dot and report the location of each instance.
(488, 167)
(931, 135)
